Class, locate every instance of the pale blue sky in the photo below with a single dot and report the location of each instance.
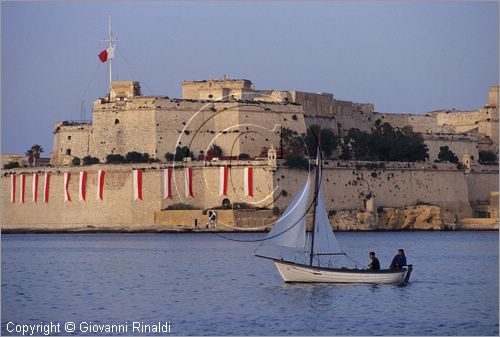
(409, 57)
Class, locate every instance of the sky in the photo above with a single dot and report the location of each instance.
(404, 57)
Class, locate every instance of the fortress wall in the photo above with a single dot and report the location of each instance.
(347, 187)
(74, 138)
(458, 145)
(422, 123)
(118, 129)
(481, 183)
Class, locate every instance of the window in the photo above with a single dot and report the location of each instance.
(69, 137)
(117, 121)
(68, 152)
(210, 96)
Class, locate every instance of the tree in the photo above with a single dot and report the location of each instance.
(34, 154)
(88, 160)
(214, 152)
(75, 161)
(11, 165)
(385, 143)
(296, 161)
(243, 156)
(136, 157)
(169, 156)
(488, 157)
(183, 152)
(446, 155)
(115, 159)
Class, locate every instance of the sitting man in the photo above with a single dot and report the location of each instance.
(375, 265)
(399, 261)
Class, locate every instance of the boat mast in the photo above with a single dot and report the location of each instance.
(316, 191)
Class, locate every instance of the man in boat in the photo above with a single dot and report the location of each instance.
(399, 261)
(375, 265)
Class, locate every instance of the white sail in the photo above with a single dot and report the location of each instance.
(325, 241)
(290, 229)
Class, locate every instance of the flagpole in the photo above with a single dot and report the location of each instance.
(110, 39)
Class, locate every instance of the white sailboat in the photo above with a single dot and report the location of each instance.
(316, 259)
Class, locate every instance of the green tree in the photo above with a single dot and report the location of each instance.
(33, 154)
(88, 160)
(446, 155)
(75, 161)
(183, 152)
(169, 156)
(136, 157)
(214, 152)
(11, 165)
(296, 161)
(115, 159)
(487, 157)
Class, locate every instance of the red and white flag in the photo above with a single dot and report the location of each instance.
(67, 176)
(107, 54)
(167, 183)
(12, 188)
(100, 184)
(82, 186)
(248, 181)
(223, 177)
(34, 187)
(46, 188)
(137, 184)
(188, 182)
(22, 187)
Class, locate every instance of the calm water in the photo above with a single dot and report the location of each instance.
(205, 285)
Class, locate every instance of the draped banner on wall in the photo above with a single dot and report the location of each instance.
(82, 186)
(46, 188)
(100, 184)
(67, 176)
(223, 177)
(248, 181)
(167, 183)
(22, 187)
(34, 187)
(12, 188)
(188, 182)
(137, 175)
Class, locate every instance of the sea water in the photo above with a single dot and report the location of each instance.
(202, 284)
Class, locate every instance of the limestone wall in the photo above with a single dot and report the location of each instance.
(70, 141)
(346, 186)
(459, 144)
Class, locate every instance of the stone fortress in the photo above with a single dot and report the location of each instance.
(243, 120)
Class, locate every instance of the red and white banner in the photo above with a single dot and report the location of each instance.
(248, 180)
(67, 176)
(22, 188)
(137, 184)
(167, 183)
(82, 186)
(107, 54)
(100, 184)
(13, 188)
(223, 176)
(188, 182)
(46, 188)
(34, 188)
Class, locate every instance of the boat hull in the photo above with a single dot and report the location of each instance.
(301, 273)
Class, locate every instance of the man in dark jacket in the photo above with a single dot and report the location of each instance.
(399, 261)
(375, 265)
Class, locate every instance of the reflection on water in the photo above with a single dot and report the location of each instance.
(205, 285)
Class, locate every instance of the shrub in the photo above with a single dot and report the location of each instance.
(297, 161)
(115, 159)
(11, 165)
(76, 161)
(136, 157)
(181, 206)
(243, 156)
(88, 160)
(446, 155)
(488, 157)
(169, 156)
